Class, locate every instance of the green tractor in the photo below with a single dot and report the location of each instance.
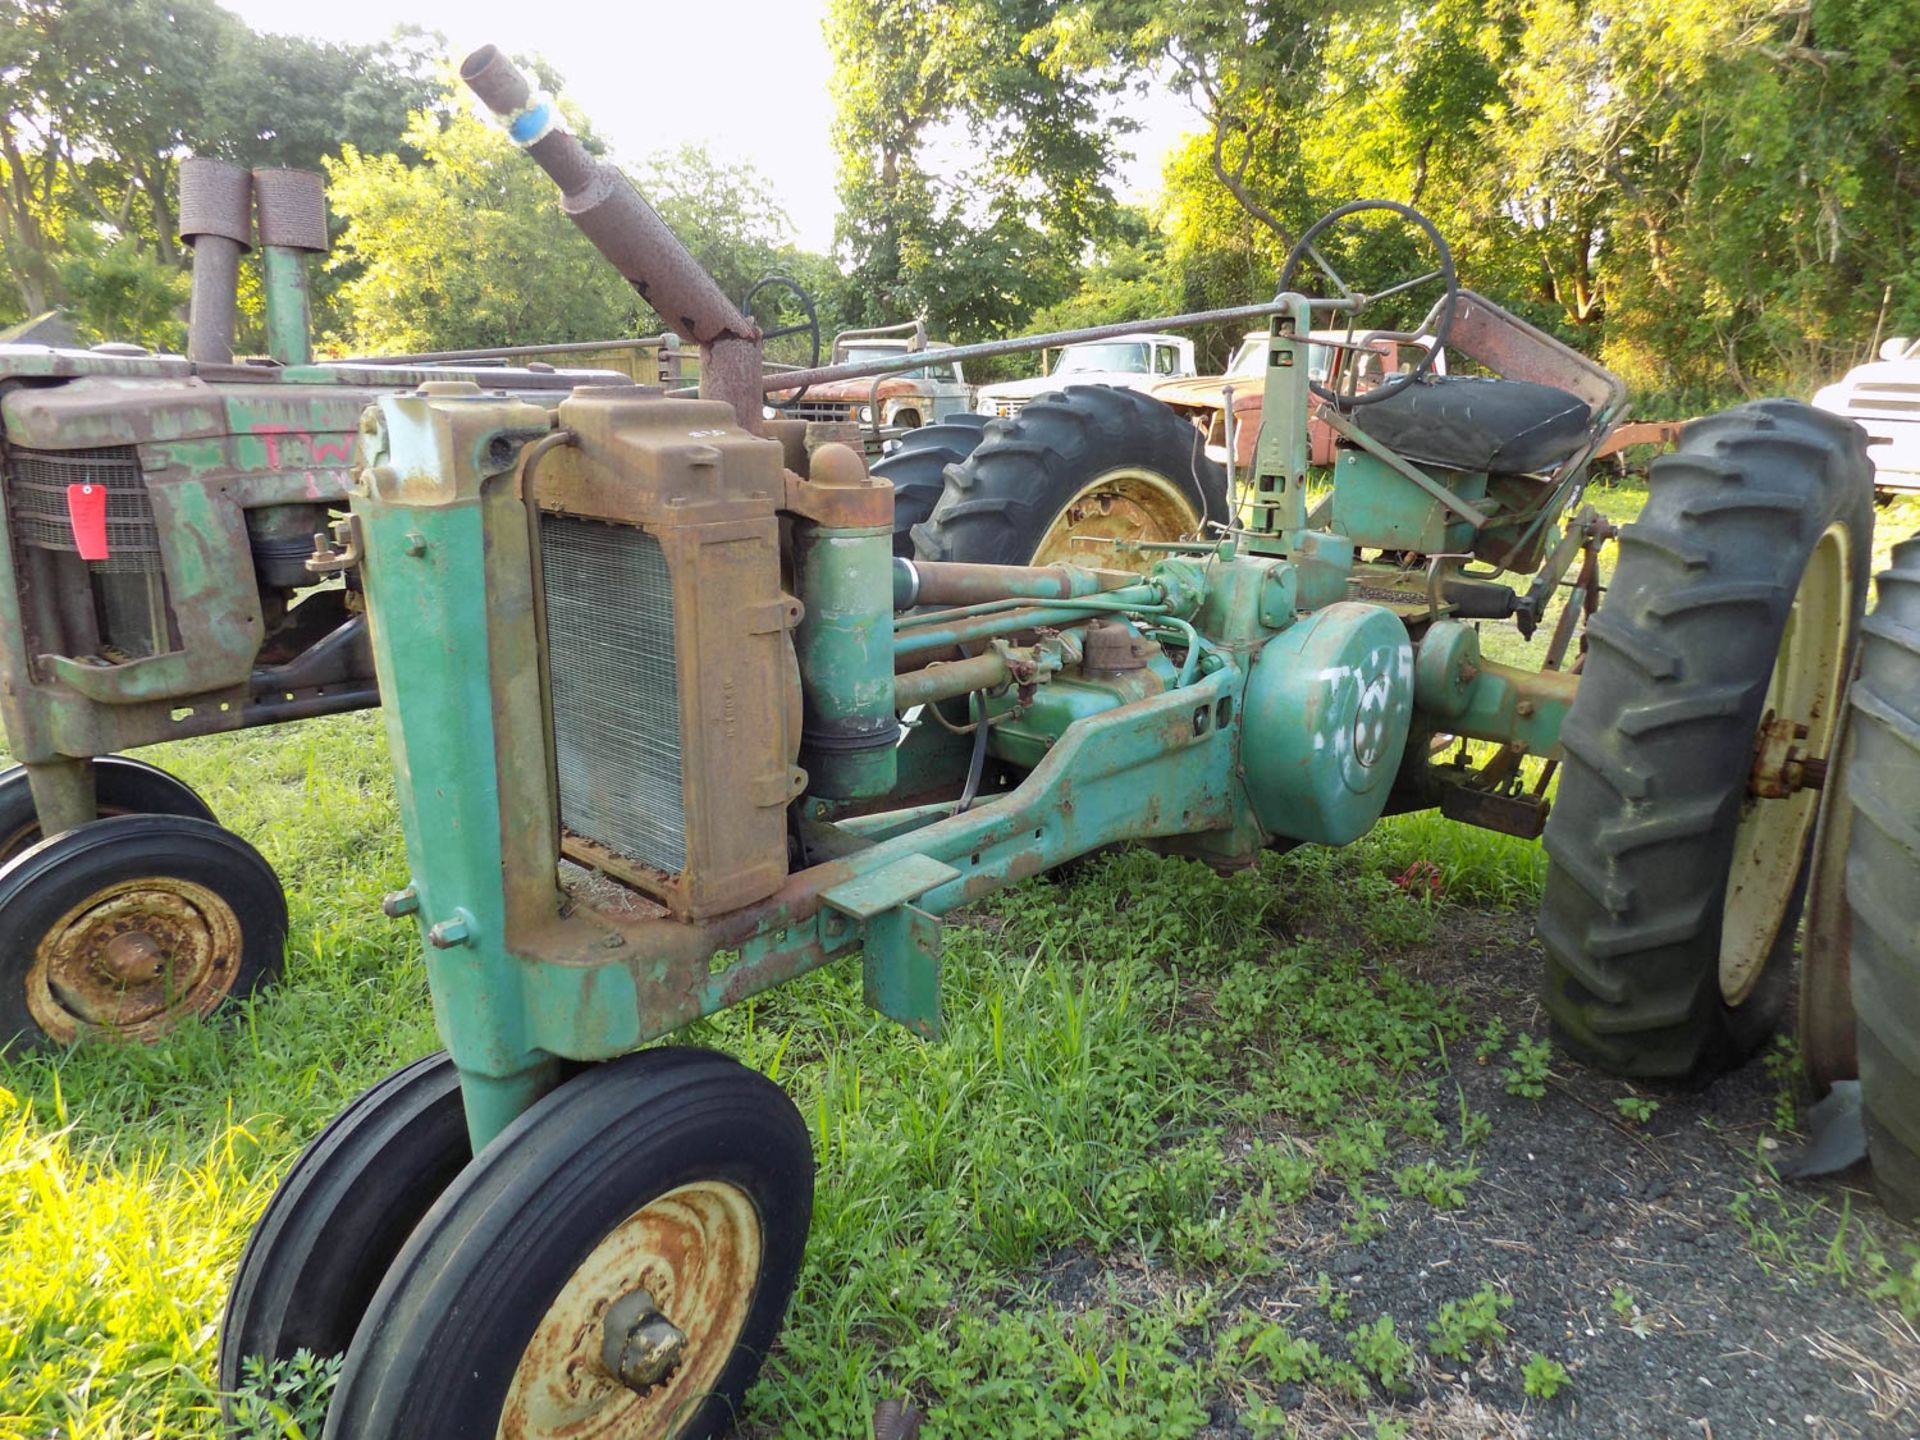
(673, 723)
(158, 580)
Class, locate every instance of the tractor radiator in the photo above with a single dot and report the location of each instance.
(615, 688)
(668, 659)
(129, 613)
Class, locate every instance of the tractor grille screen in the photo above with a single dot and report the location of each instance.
(616, 692)
(37, 496)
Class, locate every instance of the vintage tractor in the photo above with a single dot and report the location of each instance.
(158, 579)
(672, 724)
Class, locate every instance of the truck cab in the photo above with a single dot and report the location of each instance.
(1132, 362)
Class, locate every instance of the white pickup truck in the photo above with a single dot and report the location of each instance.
(1133, 362)
(1883, 397)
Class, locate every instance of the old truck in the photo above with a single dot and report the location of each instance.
(1130, 362)
(1883, 398)
(885, 406)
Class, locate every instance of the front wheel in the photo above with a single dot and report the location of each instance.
(124, 927)
(615, 1264)
(121, 786)
(1707, 710)
(339, 1217)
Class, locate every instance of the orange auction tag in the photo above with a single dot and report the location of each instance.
(87, 511)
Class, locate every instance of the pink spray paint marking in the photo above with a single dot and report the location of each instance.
(320, 449)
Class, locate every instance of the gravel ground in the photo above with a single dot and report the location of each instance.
(1622, 1249)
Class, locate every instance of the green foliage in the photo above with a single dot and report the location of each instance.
(91, 143)
(468, 247)
(976, 253)
(1464, 1326)
(1527, 1075)
(1637, 1108)
(287, 1401)
(1439, 1186)
(1380, 1352)
(1542, 1377)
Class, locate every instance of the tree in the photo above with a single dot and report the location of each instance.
(103, 97)
(469, 248)
(972, 254)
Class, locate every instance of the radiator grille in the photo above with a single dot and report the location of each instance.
(37, 484)
(616, 694)
(818, 410)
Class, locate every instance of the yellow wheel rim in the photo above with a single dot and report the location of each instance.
(133, 959)
(1809, 676)
(1121, 505)
(696, 1250)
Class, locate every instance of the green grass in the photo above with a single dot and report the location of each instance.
(1140, 1063)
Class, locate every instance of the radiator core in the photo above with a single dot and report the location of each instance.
(614, 678)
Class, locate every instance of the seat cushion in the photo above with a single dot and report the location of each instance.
(1465, 422)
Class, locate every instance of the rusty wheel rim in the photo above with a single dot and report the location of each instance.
(133, 959)
(1770, 841)
(1124, 504)
(697, 1251)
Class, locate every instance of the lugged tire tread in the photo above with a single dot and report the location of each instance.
(1000, 500)
(1883, 880)
(1640, 837)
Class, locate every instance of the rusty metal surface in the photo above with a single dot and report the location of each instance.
(216, 198)
(636, 241)
(134, 959)
(952, 582)
(709, 504)
(1510, 347)
(694, 1257)
(293, 208)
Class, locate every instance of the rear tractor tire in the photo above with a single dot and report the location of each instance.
(1883, 881)
(917, 466)
(1074, 472)
(1717, 665)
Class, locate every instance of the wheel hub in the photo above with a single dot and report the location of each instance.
(1780, 767)
(1110, 511)
(133, 958)
(605, 1362)
(1804, 695)
(639, 1346)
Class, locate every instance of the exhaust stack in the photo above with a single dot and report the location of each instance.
(625, 229)
(293, 225)
(216, 219)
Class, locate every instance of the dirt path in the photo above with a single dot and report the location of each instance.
(1623, 1246)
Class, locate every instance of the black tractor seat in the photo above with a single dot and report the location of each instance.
(1466, 422)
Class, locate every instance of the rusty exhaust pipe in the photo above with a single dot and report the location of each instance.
(625, 229)
(216, 219)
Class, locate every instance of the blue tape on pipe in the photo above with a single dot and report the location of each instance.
(530, 124)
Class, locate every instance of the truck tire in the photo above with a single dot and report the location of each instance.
(1090, 460)
(1883, 881)
(1673, 893)
(917, 466)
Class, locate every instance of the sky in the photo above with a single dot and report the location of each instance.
(772, 53)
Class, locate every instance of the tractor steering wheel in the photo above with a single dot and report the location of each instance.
(1439, 321)
(809, 327)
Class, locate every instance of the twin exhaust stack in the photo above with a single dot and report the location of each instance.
(217, 201)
